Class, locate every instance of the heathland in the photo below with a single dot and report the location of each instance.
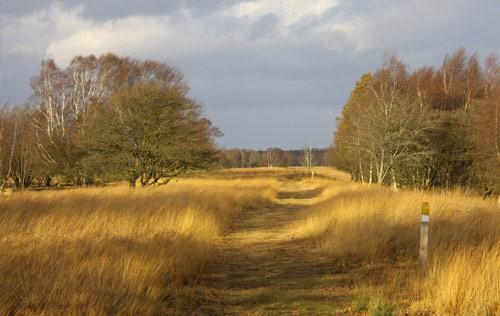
(269, 241)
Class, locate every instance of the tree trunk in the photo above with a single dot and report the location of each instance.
(361, 172)
(380, 172)
(394, 182)
(48, 181)
(132, 181)
(370, 181)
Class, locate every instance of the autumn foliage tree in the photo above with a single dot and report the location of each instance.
(62, 98)
(141, 107)
(430, 127)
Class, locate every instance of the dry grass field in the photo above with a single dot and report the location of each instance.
(114, 250)
(375, 227)
(247, 242)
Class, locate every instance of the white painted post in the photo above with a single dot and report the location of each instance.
(424, 235)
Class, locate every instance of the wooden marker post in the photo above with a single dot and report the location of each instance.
(424, 235)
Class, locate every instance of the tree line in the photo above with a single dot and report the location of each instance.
(273, 157)
(432, 127)
(104, 118)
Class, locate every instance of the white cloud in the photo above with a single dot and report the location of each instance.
(145, 36)
(129, 36)
(61, 33)
(335, 25)
(289, 11)
(31, 34)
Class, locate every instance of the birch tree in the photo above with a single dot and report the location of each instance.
(379, 129)
(271, 157)
(428, 128)
(63, 97)
(308, 157)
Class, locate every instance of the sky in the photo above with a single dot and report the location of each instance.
(269, 72)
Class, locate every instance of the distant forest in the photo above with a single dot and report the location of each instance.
(274, 157)
(432, 127)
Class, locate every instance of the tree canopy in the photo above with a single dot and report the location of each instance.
(148, 132)
(430, 127)
(106, 117)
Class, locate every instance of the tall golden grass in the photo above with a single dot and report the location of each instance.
(369, 223)
(467, 282)
(115, 250)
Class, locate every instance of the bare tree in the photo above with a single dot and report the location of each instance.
(274, 157)
(308, 157)
(452, 77)
(8, 139)
(491, 75)
(472, 81)
(271, 157)
(25, 158)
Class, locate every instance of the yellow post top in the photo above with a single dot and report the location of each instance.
(425, 208)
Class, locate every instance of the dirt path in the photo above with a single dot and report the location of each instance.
(264, 271)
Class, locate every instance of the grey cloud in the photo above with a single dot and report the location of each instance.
(106, 9)
(285, 92)
(415, 26)
(309, 22)
(264, 25)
